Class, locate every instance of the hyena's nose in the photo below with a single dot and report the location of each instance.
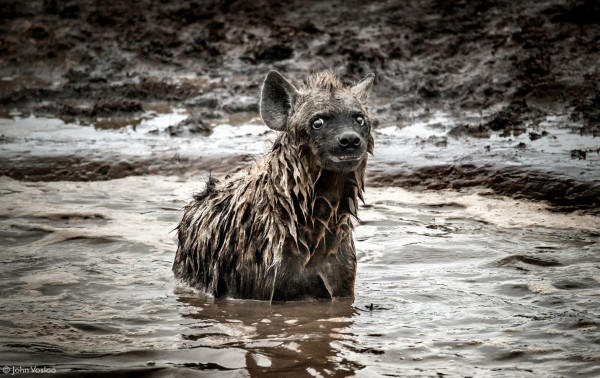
(349, 140)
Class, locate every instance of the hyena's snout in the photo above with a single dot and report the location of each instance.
(349, 141)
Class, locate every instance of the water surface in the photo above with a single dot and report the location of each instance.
(459, 283)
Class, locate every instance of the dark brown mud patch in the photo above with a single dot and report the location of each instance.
(516, 260)
(74, 168)
(72, 216)
(564, 194)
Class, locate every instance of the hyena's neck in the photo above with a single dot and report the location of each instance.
(292, 176)
(308, 193)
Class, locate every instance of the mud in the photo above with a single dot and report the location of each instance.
(476, 56)
(565, 194)
(431, 155)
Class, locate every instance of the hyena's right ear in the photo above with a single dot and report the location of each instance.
(363, 88)
(276, 100)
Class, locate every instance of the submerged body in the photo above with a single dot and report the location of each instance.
(282, 230)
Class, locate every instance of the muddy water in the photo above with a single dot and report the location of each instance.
(450, 282)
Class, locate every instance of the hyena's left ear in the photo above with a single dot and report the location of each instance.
(363, 88)
(277, 100)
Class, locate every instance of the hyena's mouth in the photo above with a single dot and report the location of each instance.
(347, 157)
(343, 163)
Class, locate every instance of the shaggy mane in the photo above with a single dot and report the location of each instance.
(323, 80)
(281, 229)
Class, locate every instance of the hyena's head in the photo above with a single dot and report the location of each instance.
(328, 118)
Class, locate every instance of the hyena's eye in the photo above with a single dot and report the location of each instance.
(360, 119)
(317, 123)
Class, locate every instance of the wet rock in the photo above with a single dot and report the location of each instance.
(241, 104)
(211, 114)
(192, 125)
(38, 32)
(535, 136)
(429, 91)
(507, 117)
(77, 74)
(479, 131)
(274, 53)
(310, 28)
(206, 100)
(578, 154)
(110, 107)
(510, 120)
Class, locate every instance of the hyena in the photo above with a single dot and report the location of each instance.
(281, 230)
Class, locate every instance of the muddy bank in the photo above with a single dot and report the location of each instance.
(511, 61)
(421, 155)
(518, 84)
(76, 168)
(564, 194)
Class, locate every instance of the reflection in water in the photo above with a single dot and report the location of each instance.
(448, 282)
(278, 337)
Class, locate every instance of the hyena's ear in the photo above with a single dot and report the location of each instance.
(276, 100)
(363, 88)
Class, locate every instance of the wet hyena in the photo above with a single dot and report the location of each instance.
(281, 230)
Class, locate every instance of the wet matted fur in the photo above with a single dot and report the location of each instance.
(281, 230)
